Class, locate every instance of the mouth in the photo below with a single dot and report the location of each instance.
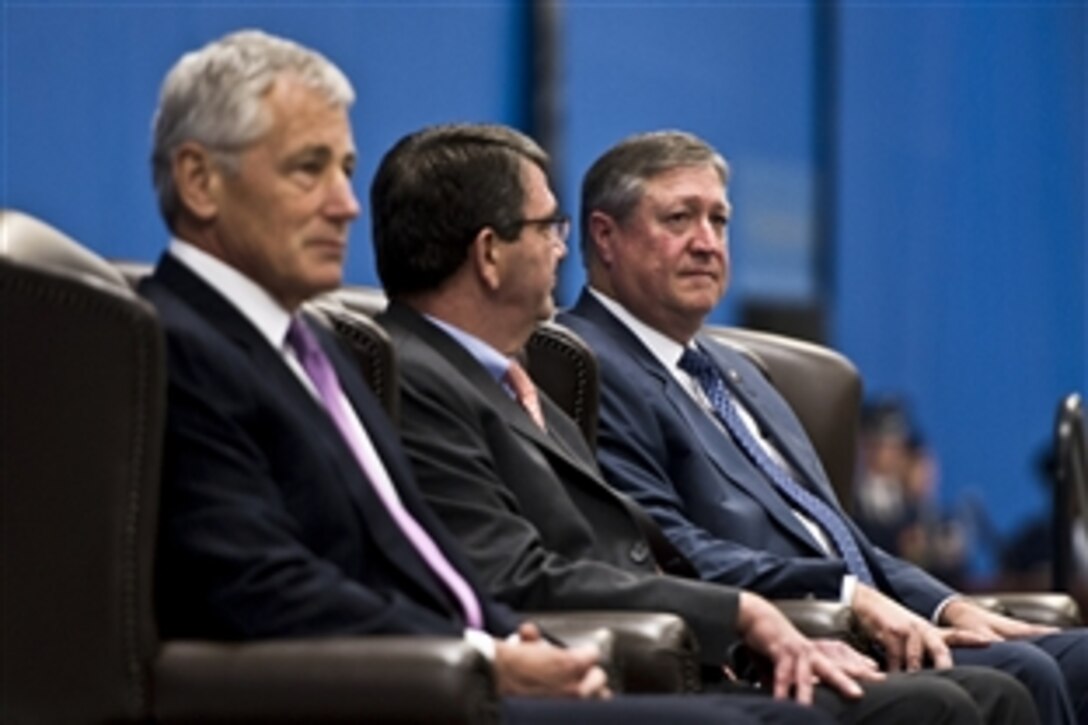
(328, 245)
(708, 274)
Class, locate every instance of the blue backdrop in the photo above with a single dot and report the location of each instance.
(957, 149)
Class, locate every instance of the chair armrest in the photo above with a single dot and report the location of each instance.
(372, 679)
(652, 651)
(819, 618)
(1051, 608)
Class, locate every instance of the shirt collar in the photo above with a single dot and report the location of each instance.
(250, 299)
(664, 348)
(494, 361)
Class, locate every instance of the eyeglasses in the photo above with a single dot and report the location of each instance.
(558, 225)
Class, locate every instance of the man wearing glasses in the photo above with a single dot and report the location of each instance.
(467, 237)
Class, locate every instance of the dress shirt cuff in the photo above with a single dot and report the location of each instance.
(936, 618)
(849, 586)
(483, 642)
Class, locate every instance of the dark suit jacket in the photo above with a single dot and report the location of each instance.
(657, 445)
(268, 525)
(541, 526)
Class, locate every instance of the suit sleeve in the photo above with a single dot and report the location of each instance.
(231, 559)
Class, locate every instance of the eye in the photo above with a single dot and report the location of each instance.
(677, 219)
(720, 221)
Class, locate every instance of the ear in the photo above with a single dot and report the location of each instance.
(603, 235)
(487, 253)
(197, 179)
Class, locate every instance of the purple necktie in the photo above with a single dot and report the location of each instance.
(316, 364)
(698, 364)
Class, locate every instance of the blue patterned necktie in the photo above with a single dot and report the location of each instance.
(699, 365)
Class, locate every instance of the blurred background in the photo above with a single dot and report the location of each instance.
(908, 178)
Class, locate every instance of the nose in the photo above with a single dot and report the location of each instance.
(708, 237)
(560, 246)
(342, 203)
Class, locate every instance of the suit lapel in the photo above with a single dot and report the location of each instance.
(312, 417)
(718, 446)
(562, 440)
(797, 451)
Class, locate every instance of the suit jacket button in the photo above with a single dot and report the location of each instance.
(640, 552)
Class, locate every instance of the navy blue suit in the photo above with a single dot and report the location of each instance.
(660, 447)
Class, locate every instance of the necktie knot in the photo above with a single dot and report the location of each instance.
(696, 363)
(303, 341)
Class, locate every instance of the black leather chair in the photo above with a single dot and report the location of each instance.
(82, 395)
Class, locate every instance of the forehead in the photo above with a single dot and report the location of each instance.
(299, 115)
(696, 183)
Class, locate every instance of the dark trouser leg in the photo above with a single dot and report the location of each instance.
(1000, 698)
(1069, 649)
(1034, 668)
(903, 700)
(659, 709)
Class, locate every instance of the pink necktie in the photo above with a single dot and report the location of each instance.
(317, 365)
(525, 392)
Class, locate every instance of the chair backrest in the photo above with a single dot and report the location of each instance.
(822, 387)
(81, 414)
(366, 341)
(1071, 486)
(564, 367)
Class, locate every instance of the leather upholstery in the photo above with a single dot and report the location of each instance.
(829, 410)
(82, 396)
(561, 363)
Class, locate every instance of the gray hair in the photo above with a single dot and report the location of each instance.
(614, 184)
(213, 96)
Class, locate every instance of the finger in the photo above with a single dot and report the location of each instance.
(855, 662)
(783, 676)
(1029, 630)
(893, 652)
(967, 638)
(913, 650)
(528, 632)
(834, 677)
(803, 681)
(585, 655)
(938, 650)
(594, 685)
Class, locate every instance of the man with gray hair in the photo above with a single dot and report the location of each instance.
(288, 508)
(696, 434)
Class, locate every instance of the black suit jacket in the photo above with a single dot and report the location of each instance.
(543, 529)
(268, 525)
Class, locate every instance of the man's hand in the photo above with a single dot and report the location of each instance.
(967, 615)
(907, 638)
(798, 661)
(537, 668)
